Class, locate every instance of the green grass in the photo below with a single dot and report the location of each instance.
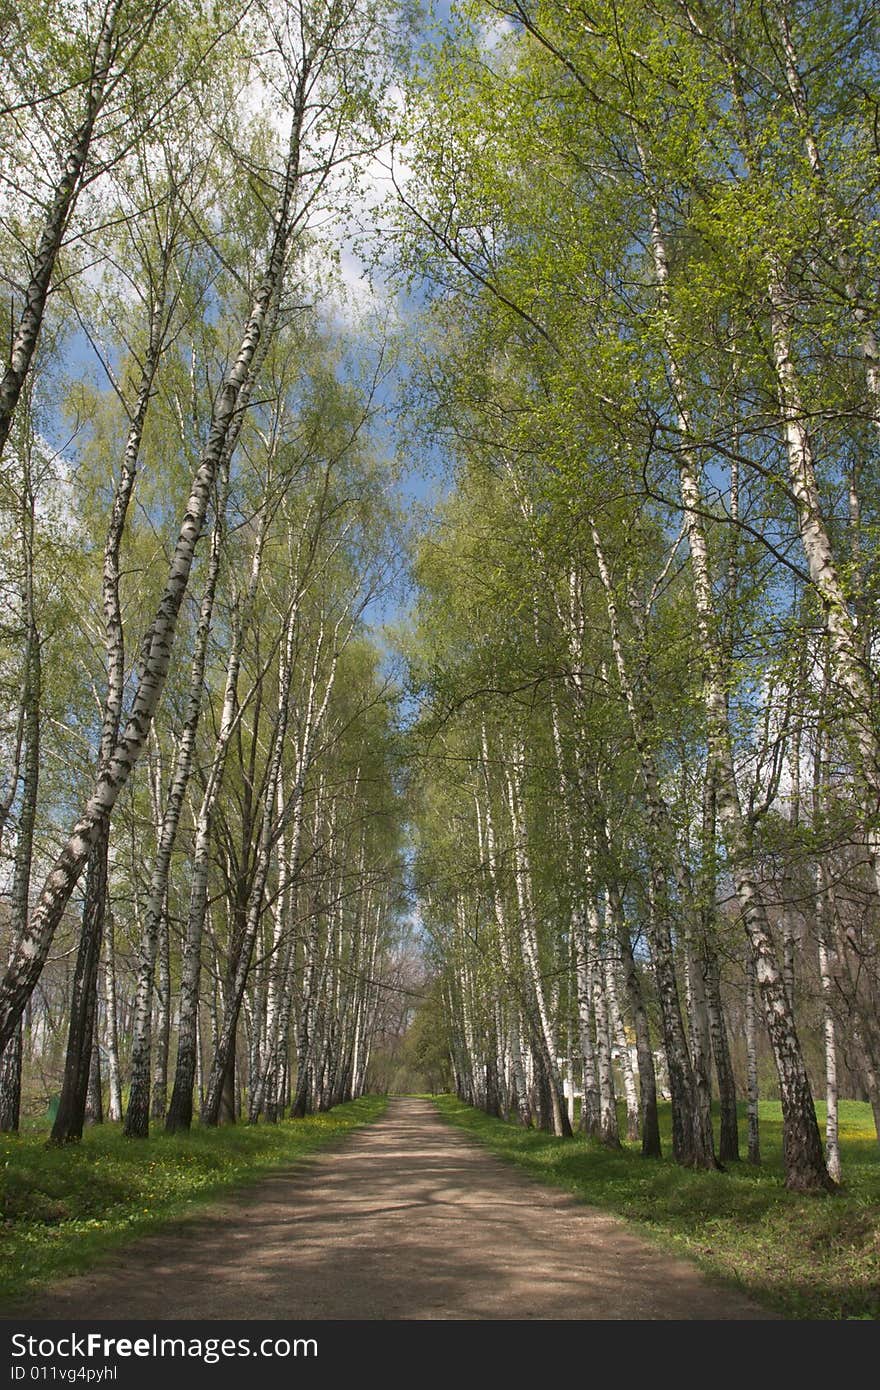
(63, 1209)
(804, 1257)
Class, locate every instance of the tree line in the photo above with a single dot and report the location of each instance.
(201, 814)
(639, 245)
(645, 624)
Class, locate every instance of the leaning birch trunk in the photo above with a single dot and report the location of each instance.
(789, 911)
(137, 1116)
(846, 655)
(138, 1112)
(847, 649)
(843, 945)
(825, 939)
(30, 956)
(832, 228)
(802, 1147)
(10, 1082)
(57, 218)
(71, 1108)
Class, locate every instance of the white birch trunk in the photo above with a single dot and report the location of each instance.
(754, 1140)
(802, 1147)
(832, 1140)
(530, 950)
(57, 218)
(618, 1032)
(111, 1024)
(609, 1132)
(512, 1011)
(687, 1145)
(30, 956)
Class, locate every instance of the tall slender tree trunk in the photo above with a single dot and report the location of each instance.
(70, 1117)
(137, 1117)
(71, 1110)
(513, 984)
(701, 1045)
(291, 809)
(11, 1056)
(111, 1024)
(94, 1111)
(225, 1055)
(609, 1132)
(618, 1033)
(832, 1139)
(590, 1109)
(560, 1122)
(802, 1147)
(728, 1146)
(180, 1109)
(57, 218)
(30, 955)
(678, 1062)
(752, 1058)
(650, 1119)
(163, 1022)
(10, 1083)
(688, 1136)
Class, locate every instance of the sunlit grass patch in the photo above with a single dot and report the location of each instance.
(807, 1257)
(61, 1209)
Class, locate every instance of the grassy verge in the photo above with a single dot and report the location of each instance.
(805, 1257)
(63, 1209)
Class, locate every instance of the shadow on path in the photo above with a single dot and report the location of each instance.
(411, 1219)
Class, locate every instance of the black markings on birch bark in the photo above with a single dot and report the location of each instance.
(24, 970)
(804, 1161)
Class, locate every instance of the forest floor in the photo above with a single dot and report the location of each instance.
(802, 1256)
(409, 1219)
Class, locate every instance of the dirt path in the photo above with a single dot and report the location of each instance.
(411, 1219)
